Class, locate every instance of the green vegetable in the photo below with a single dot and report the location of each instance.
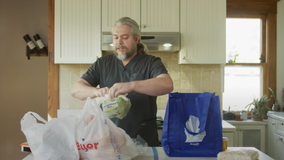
(116, 107)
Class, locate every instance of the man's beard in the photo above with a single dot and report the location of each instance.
(128, 54)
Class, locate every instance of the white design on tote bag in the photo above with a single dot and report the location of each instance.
(192, 124)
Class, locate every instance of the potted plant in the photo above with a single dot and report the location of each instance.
(260, 108)
(276, 106)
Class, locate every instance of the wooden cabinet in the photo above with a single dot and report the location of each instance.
(250, 134)
(275, 134)
(77, 31)
(151, 15)
(203, 32)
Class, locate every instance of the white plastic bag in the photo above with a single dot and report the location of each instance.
(53, 140)
(97, 137)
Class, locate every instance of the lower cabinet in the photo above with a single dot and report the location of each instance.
(271, 137)
(250, 134)
(275, 135)
(278, 147)
(230, 137)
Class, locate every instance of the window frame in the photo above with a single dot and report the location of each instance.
(263, 29)
(267, 8)
(263, 46)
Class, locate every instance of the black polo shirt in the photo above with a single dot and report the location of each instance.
(141, 119)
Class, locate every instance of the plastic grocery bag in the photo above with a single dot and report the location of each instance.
(52, 140)
(97, 137)
(192, 125)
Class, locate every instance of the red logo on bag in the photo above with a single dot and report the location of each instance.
(88, 146)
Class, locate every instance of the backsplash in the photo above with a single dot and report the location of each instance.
(187, 78)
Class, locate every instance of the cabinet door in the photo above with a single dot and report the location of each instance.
(252, 136)
(77, 31)
(203, 32)
(230, 136)
(271, 137)
(159, 16)
(279, 127)
(236, 136)
(279, 145)
(112, 10)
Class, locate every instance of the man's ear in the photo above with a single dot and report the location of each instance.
(137, 39)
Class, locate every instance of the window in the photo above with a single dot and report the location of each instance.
(243, 72)
(243, 37)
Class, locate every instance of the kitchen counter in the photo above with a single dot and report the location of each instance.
(247, 121)
(228, 131)
(276, 115)
(227, 127)
(161, 155)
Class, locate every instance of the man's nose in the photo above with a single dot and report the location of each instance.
(119, 40)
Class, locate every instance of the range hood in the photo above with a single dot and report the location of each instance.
(156, 42)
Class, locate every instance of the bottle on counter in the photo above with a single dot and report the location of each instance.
(30, 43)
(244, 115)
(225, 143)
(40, 43)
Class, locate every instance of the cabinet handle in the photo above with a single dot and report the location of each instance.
(280, 138)
(282, 123)
(241, 130)
(144, 26)
(273, 123)
(183, 57)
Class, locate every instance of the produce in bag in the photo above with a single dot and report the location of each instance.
(117, 107)
(97, 137)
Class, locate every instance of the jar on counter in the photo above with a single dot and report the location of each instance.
(244, 115)
(225, 144)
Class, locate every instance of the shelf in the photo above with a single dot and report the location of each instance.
(38, 53)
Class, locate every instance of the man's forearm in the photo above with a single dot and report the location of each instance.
(82, 91)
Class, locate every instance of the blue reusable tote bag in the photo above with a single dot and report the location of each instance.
(192, 125)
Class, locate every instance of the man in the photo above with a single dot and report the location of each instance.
(129, 70)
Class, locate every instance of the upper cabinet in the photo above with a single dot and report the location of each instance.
(112, 10)
(202, 24)
(203, 32)
(77, 36)
(151, 15)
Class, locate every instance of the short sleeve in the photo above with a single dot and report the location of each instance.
(157, 68)
(92, 76)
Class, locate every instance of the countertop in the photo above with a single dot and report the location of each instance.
(162, 156)
(247, 121)
(227, 127)
(276, 115)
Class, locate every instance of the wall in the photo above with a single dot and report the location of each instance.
(23, 83)
(186, 78)
(280, 52)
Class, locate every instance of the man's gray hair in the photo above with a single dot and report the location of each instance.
(141, 47)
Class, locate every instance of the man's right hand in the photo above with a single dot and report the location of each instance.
(82, 90)
(102, 92)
